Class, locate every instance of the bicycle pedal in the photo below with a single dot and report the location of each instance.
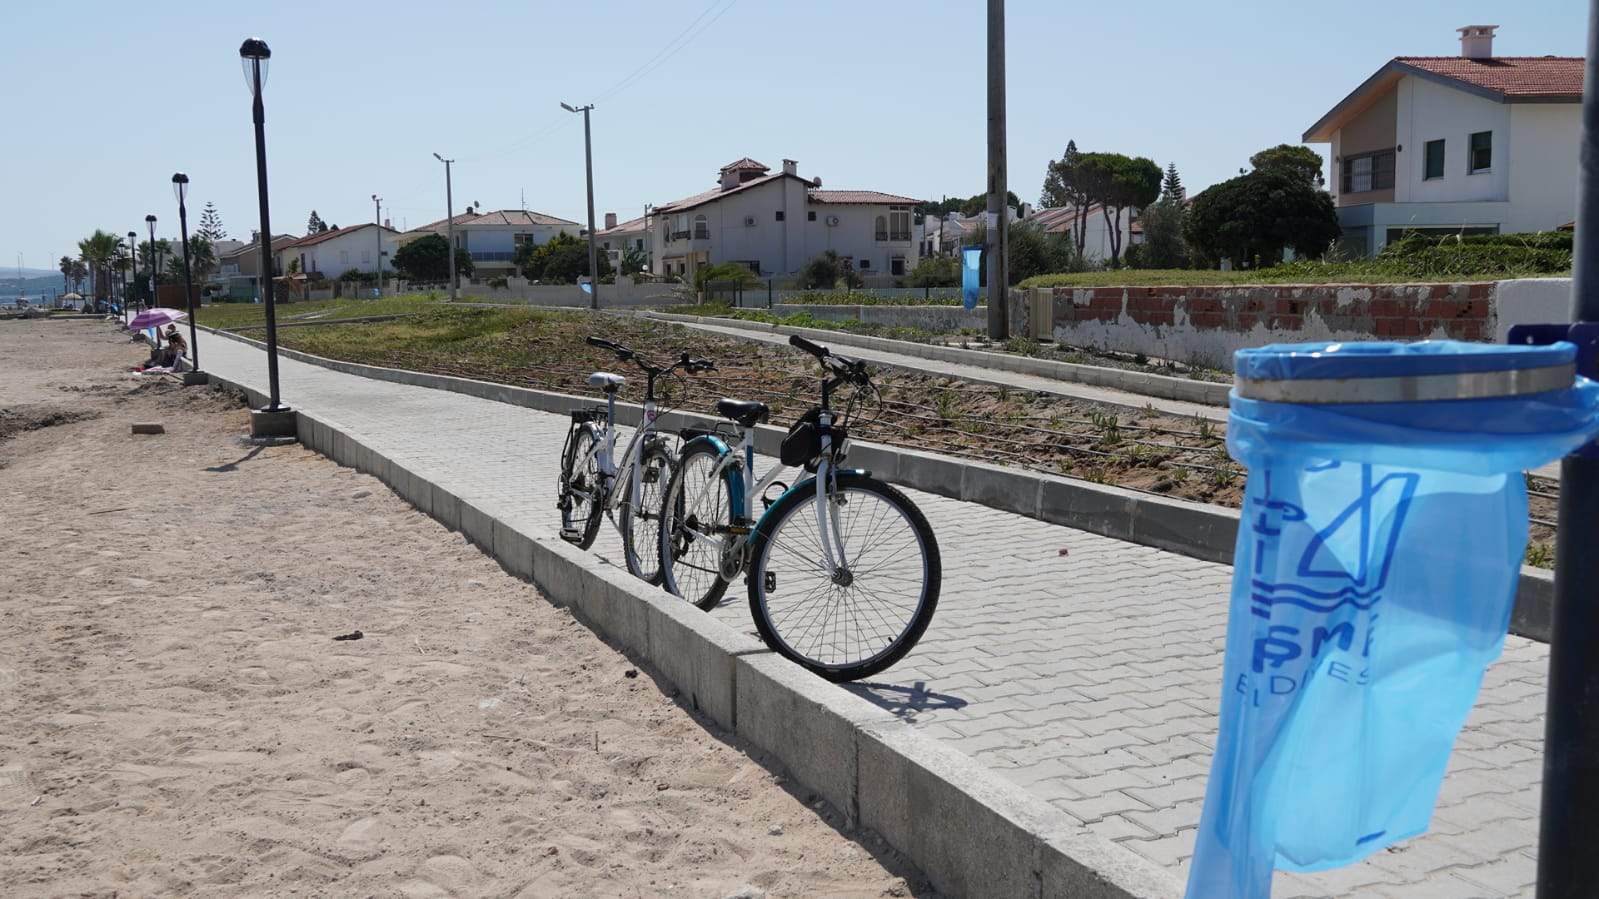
(571, 535)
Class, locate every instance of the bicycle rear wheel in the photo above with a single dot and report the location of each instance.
(851, 624)
(641, 515)
(696, 512)
(581, 489)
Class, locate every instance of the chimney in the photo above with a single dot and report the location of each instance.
(1477, 41)
(610, 220)
(388, 223)
(790, 167)
(729, 179)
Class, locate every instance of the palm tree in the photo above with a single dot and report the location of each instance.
(67, 266)
(97, 250)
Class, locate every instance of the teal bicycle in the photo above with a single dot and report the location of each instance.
(843, 570)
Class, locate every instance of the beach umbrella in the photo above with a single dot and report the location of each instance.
(71, 296)
(155, 318)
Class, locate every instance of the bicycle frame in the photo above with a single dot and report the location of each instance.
(610, 470)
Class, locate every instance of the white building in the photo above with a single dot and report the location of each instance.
(334, 252)
(615, 239)
(491, 238)
(1474, 143)
(1061, 220)
(776, 222)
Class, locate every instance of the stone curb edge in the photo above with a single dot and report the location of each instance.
(1159, 386)
(1197, 530)
(970, 832)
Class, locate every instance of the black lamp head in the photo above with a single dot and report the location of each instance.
(150, 218)
(254, 48)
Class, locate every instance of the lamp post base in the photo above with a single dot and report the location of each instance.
(193, 378)
(273, 423)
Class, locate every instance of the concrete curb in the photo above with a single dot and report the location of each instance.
(1196, 530)
(1160, 386)
(971, 832)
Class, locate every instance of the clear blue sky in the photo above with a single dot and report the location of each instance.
(104, 101)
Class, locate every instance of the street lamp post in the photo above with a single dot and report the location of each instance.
(276, 420)
(154, 268)
(449, 223)
(588, 166)
(133, 273)
(180, 187)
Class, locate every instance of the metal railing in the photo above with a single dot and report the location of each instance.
(493, 256)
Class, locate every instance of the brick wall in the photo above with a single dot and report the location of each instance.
(1206, 324)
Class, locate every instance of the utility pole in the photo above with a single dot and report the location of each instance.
(377, 219)
(998, 225)
(449, 224)
(1567, 865)
(588, 165)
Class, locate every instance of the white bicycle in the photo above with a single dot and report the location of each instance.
(629, 492)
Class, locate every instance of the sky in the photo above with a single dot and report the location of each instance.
(100, 103)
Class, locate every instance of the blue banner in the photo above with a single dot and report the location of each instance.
(971, 276)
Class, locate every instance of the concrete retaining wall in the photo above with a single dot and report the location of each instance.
(1144, 383)
(1197, 530)
(971, 832)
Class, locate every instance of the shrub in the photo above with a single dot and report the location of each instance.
(499, 283)
(731, 274)
(828, 271)
(936, 271)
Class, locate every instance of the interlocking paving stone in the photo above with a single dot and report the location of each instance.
(1090, 679)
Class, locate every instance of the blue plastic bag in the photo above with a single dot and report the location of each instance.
(1374, 575)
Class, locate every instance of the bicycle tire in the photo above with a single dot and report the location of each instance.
(707, 587)
(770, 532)
(657, 467)
(577, 448)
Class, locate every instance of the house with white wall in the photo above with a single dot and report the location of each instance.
(331, 253)
(1062, 220)
(491, 238)
(617, 238)
(1474, 144)
(776, 222)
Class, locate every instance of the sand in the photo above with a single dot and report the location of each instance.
(178, 719)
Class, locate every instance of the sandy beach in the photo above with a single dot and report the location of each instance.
(179, 719)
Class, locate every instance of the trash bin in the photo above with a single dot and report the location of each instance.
(1383, 527)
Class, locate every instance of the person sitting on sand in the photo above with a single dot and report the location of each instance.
(177, 348)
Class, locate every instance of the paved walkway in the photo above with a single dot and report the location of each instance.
(1015, 379)
(1090, 678)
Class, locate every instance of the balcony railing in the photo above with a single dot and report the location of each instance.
(895, 235)
(493, 256)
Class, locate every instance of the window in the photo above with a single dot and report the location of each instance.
(679, 227)
(882, 227)
(702, 227)
(866, 264)
(1433, 164)
(1368, 171)
(810, 216)
(896, 265)
(516, 239)
(899, 224)
(638, 244)
(1480, 156)
(779, 215)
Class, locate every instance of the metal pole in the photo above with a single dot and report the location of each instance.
(449, 217)
(1567, 865)
(998, 270)
(154, 265)
(258, 113)
(588, 164)
(188, 285)
(133, 275)
(377, 206)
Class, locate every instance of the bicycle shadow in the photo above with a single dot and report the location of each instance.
(905, 702)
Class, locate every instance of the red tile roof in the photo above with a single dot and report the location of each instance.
(745, 163)
(717, 193)
(1519, 77)
(319, 237)
(623, 227)
(499, 217)
(859, 196)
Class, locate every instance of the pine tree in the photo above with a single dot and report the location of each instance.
(315, 225)
(211, 224)
(1172, 187)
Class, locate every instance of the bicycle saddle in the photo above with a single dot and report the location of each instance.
(748, 413)
(602, 380)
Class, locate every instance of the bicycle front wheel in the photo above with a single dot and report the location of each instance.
(581, 495)
(868, 613)
(696, 514)
(641, 515)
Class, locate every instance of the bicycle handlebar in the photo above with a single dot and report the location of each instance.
(815, 349)
(851, 370)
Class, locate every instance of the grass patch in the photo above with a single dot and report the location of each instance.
(234, 316)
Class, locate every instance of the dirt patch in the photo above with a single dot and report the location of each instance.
(180, 720)
(33, 418)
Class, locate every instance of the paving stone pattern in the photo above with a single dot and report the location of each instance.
(1089, 677)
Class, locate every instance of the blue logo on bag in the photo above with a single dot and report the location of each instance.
(1340, 575)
